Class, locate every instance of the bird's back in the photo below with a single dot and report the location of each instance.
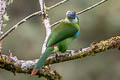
(62, 31)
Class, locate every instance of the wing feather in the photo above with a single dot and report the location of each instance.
(61, 32)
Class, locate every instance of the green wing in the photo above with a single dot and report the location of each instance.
(61, 32)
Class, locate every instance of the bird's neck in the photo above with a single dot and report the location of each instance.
(74, 21)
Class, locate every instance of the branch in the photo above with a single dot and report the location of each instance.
(58, 4)
(11, 63)
(85, 10)
(91, 7)
(17, 25)
(28, 17)
(46, 23)
(93, 49)
(2, 13)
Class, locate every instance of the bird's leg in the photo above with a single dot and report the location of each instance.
(55, 51)
(56, 56)
(80, 49)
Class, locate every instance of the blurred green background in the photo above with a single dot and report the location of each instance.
(97, 24)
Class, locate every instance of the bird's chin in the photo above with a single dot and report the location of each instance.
(70, 19)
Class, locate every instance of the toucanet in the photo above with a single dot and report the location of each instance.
(62, 35)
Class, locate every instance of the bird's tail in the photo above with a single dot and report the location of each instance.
(42, 60)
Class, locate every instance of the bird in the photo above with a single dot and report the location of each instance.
(61, 36)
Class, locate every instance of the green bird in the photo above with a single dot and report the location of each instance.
(63, 34)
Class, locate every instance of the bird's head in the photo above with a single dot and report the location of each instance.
(71, 16)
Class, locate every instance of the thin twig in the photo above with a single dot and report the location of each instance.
(18, 24)
(59, 3)
(42, 6)
(91, 7)
(28, 17)
(85, 10)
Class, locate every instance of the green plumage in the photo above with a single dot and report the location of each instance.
(40, 63)
(63, 31)
(61, 36)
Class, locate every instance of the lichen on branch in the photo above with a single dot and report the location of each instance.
(11, 63)
(94, 48)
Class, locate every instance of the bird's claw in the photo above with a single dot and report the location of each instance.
(56, 56)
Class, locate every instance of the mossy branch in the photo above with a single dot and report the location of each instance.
(93, 49)
(11, 63)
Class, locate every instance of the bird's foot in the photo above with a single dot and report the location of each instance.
(56, 56)
(80, 49)
(34, 71)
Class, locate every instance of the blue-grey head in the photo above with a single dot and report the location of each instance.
(71, 17)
